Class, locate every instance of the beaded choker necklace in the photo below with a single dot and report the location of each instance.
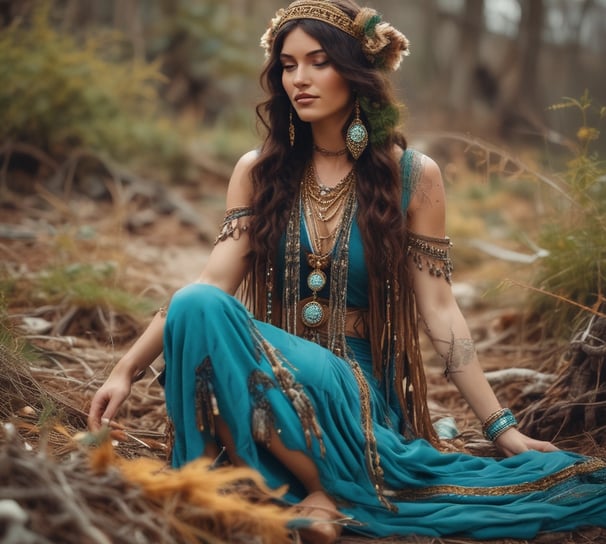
(328, 153)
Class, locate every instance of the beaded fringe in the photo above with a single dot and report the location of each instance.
(431, 253)
(232, 226)
(293, 390)
(262, 415)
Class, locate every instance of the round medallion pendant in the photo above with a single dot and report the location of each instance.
(316, 280)
(312, 314)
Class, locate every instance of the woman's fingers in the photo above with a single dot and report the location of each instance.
(97, 409)
(105, 404)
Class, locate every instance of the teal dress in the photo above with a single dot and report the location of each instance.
(217, 361)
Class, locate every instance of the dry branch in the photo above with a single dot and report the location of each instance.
(19, 389)
(575, 403)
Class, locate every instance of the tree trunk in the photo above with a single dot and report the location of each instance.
(521, 103)
(466, 57)
(127, 17)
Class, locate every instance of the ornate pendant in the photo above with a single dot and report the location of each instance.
(316, 280)
(313, 314)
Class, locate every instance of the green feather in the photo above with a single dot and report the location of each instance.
(369, 26)
(382, 118)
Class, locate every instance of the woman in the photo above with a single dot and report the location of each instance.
(334, 235)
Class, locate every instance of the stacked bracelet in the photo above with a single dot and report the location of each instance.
(497, 423)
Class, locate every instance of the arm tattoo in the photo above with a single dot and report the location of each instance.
(461, 351)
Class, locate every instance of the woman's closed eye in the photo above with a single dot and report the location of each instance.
(289, 67)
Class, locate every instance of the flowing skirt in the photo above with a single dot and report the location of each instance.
(219, 359)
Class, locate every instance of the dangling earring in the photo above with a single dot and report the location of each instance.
(291, 129)
(357, 135)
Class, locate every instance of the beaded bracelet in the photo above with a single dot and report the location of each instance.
(497, 423)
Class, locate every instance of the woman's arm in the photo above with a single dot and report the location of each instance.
(440, 314)
(225, 269)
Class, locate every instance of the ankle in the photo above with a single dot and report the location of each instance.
(321, 510)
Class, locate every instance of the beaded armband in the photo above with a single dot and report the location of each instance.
(231, 227)
(497, 423)
(432, 253)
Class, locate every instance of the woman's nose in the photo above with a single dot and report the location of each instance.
(301, 77)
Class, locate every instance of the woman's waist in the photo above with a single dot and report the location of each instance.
(314, 313)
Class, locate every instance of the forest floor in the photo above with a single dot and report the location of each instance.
(154, 252)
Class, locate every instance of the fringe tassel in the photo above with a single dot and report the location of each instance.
(262, 415)
(206, 402)
(293, 390)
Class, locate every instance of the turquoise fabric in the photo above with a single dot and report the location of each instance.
(477, 497)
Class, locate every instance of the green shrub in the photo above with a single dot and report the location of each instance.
(88, 286)
(59, 94)
(574, 232)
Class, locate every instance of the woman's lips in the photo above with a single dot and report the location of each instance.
(304, 99)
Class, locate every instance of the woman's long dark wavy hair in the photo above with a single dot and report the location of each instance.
(276, 177)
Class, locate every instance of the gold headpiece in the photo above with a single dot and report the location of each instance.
(381, 43)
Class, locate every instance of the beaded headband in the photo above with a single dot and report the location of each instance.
(382, 44)
(321, 11)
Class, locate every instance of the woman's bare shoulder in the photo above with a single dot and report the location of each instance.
(426, 212)
(240, 188)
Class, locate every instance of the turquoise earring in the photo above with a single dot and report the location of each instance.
(357, 135)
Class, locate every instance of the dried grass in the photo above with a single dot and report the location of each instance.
(99, 498)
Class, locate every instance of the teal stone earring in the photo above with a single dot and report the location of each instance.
(357, 135)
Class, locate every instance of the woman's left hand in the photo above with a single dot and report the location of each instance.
(512, 442)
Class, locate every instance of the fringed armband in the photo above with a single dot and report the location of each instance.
(431, 253)
(232, 227)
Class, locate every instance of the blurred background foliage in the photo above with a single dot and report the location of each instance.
(160, 87)
(487, 66)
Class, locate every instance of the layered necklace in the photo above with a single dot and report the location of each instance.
(321, 205)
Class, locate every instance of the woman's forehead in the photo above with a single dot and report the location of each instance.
(298, 41)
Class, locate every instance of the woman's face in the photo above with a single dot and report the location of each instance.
(316, 90)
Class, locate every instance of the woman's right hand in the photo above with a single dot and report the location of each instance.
(115, 390)
(108, 399)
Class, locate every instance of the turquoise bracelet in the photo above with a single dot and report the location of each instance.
(498, 423)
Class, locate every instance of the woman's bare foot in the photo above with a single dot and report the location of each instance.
(319, 506)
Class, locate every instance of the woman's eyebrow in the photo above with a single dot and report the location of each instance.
(310, 54)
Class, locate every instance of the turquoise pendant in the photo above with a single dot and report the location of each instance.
(316, 280)
(312, 314)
